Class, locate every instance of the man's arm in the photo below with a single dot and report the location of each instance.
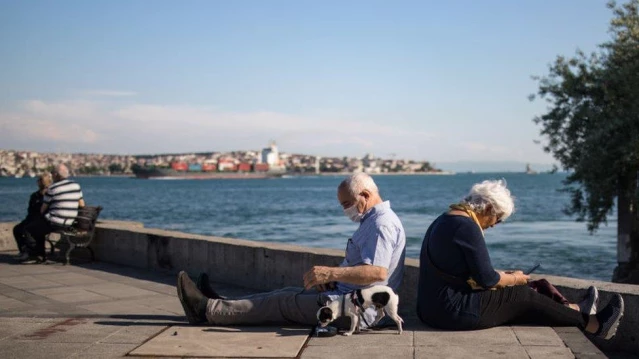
(360, 275)
(81, 203)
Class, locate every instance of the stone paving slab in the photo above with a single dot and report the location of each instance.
(21, 349)
(133, 333)
(544, 352)
(580, 346)
(7, 303)
(499, 336)
(381, 338)
(244, 342)
(28, 282)
(325, 352)
(118, 290)
(70, 278)
(103, 351)
(13, 327)
(544, 336)
(476, 352)
(70, 295)
(100, 310)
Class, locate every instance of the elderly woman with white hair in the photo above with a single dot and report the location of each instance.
(460, 290)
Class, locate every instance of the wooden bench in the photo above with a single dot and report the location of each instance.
(80, 234)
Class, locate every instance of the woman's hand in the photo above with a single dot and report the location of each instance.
(510, 278)
(520, 277)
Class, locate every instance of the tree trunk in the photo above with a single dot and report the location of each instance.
(627, 231)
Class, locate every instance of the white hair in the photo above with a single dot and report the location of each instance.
(62, 170)
(493, 193)
(358, 182)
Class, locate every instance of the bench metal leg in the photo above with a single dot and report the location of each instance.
(92, 253)
(68, 253)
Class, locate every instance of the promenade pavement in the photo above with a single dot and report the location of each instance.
(101, 310)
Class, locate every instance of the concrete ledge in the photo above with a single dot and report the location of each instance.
(266, 266)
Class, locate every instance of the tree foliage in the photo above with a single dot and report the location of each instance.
(592, 121)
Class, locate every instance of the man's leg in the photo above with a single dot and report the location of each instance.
(279, 307)
(18, 235)
(204, 286)
(299, 290)
(36, 235)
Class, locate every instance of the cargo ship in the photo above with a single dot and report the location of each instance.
(221, 170)
(267, 165)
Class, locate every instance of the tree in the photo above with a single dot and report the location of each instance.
(592, 127)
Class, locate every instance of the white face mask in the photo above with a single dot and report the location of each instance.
(353, 214)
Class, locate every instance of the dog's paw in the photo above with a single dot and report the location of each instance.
(346, 334)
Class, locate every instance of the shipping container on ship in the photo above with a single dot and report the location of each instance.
(268, 164)
(209, 166)
(179, 166)
(260, 167)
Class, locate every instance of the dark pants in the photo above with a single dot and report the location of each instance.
(37, 231)
(522, 305)
(19, 234)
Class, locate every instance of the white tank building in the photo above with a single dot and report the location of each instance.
(271, 156)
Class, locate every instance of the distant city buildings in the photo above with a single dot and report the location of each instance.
(30, 164)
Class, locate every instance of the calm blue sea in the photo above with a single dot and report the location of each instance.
(305, 211)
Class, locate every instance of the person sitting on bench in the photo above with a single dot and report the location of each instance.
(33, 212)
(60, 209)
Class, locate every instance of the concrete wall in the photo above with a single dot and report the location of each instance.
(266, 266)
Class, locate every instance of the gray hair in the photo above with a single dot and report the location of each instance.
(62, 170)
(493, 193)
(358, 182)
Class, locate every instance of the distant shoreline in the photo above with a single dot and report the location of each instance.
(336, 174)
(443, 173)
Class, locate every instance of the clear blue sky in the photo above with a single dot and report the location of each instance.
(426, 80)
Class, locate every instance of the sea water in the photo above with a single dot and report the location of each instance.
(305, 211)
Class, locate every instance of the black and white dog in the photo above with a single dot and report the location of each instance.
(353, 304)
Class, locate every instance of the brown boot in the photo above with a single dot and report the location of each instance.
(192, 300)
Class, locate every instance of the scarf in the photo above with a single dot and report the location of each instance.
(469, 211)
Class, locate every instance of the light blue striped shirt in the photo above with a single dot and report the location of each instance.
(380, 241)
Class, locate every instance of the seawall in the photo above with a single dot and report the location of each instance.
(266, 266)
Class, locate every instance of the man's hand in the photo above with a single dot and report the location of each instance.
(326, 287)
(316, 276)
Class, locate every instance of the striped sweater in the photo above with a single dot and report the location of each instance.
(63, 199)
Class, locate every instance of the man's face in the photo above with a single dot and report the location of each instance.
(345, 198)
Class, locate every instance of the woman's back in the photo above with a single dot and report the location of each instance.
(455, 246)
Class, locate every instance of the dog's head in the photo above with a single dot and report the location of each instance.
(325, 315)
(380, 299)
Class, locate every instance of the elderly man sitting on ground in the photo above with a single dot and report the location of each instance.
(374, 255)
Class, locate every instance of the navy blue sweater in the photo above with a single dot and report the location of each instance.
(456, 246)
